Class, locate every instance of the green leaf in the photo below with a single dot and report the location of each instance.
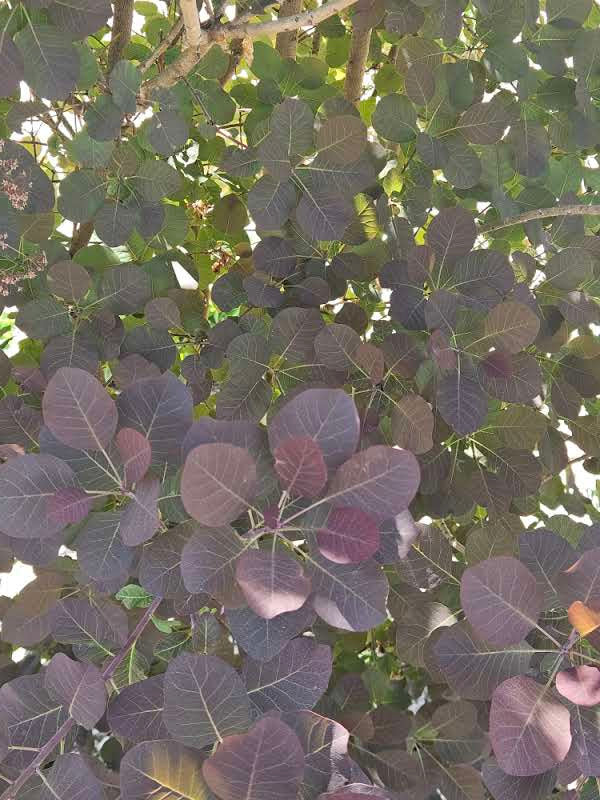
(266, 61)
(133, 596)
(395, 118)
(52, 64)
(81, 195)
(124, 82)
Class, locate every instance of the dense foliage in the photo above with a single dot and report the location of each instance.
(311, 528)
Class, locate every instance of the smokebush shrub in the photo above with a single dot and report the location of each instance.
(298, 441)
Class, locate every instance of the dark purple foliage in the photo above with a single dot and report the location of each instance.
(299, 413)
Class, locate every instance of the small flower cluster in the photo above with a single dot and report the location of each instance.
(26, 268)
(13, 183)
(200, 208)
(221, 260)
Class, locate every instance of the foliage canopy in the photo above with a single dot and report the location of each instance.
(309, 529)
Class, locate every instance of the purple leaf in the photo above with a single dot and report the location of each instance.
(273, 583)
(580, 685)
(461, 402)
(328, 416)
(451, 235)
(19, 423)
(503, 786)
(68, 506)
(349, 536)
(162, 769)
(205, 700)
(325, 746)
(501, 600)
(360, 790)
(349, 596)
(336, 346)
(267, 763)
(69, 280)
(396, 538)
(78, 410)
(79, 687)
(300, 466)
(78, 622)
(160, 409)
(293, 680)
(546, 555)
(32, 716)
(412, 424)
(69, 351)
(162, 313)
(208, 564)
(414, 630)
(139, 518)
(516, 379)
(529, 729)
(26, 485)
(125, 289)
(380, 481)
(585, 727)
(101, 551)
(136, 454)
(29, 619)
(581, 581)
(474, 668)
(511, 327)
(136, 712)
(133, 368)
(263, 639)
(218, 483)
(293, 333)
(160, 565)
(70, 776)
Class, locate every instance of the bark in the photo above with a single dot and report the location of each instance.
(287, 41)
(357, 62)
(121, 31)
(543, 213)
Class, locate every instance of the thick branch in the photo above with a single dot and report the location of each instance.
(542, 213)
(12, 793)
(286, 42)
(81, 237)
(357, 62)
(308, 19)
(121, 31)
(191, 21)
(239, 29)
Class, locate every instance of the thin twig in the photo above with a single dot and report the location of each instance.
(543, 213)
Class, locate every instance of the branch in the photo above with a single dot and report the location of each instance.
(287, 41)
(12, 792)
(191, 21)
(202, 40)
(81, 237)
(308, 19)
(541, 213)
(121, 33)
(236, 51)
(359, 52)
